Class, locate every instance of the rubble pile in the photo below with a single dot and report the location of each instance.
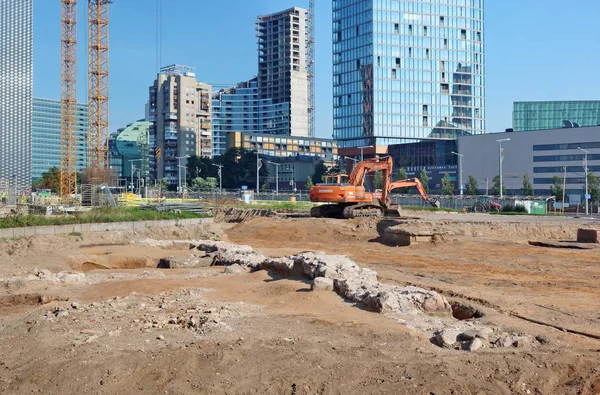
(417, 308)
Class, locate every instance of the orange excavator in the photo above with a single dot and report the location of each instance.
(347, 197)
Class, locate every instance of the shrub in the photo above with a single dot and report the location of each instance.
(514, 208)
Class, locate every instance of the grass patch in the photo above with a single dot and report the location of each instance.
(78, 234)
(96, 215)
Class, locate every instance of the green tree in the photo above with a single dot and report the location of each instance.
(556, 189)
(50, 180)
(527, 189)
(320, 171)
(447, 185)
(594, 187)
(378, 180)
(336, 168)
(496, 187)
(402, 175)
(208, 183)
(199, 166)
(424, 178)
(471, 187)
(163, 184)
(309, 183)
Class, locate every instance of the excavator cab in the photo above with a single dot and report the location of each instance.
(336, 179)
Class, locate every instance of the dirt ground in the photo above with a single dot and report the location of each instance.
(93, 314)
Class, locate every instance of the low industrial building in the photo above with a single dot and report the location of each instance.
(542, 154)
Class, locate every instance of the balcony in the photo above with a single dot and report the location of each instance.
(170, 116)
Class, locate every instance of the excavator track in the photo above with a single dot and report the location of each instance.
(362, 211)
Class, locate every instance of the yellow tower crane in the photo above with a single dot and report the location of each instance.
(68, 100)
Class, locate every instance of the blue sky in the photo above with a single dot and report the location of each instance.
(535, 49)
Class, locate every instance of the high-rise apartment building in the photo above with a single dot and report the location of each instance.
(16, 89)
(282, 64)
(180, 112)
(542, 115)
(407, 70)
(238, 109)
(45, 136)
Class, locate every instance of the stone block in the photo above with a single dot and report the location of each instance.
(587, 236)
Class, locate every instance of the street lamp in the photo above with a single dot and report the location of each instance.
(179, 158)
(585, 153)
(500, 161)
(460, 171)
(361, 151)
(276, 176)
(220, 177)
(132, 167)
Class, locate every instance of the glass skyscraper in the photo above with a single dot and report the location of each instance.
(16, 87)
(45, 137)
(543, 115)
(239, 109)
(407, 70)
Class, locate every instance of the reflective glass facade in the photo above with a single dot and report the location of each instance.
(407, 70)
(16, 87)
(45, 137)
(544, 115)
(239, 109)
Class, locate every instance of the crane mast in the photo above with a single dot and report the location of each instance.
(98, 90)
(68, 100)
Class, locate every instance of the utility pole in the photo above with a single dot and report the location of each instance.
(486, 187)
(179, 188)
(362, 158)
(500, 161)
(564, 185)
(585, 167)
(220, 177)
(257, 173)
(276, 176)
(460, 171)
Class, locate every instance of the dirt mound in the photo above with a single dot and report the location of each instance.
(304, 231)
(86, 262)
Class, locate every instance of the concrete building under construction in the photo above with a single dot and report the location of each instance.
(180, 111)
(282, 64)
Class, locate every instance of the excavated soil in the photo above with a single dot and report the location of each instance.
(92, 314)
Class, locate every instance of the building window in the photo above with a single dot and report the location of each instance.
(424, 30)
(444, 87)
(427, 53)
(425, 121)
(463, 34)
(441, 21)
(393, 74)
(425, 110)
(396, 28)
(410, 52)
(379, 61)
(445, 43)
(478, 36)
(410, 29)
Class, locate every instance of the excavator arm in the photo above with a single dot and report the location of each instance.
(406, 184)
(361, 169)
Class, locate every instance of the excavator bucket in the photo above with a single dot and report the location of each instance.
(434, 202)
